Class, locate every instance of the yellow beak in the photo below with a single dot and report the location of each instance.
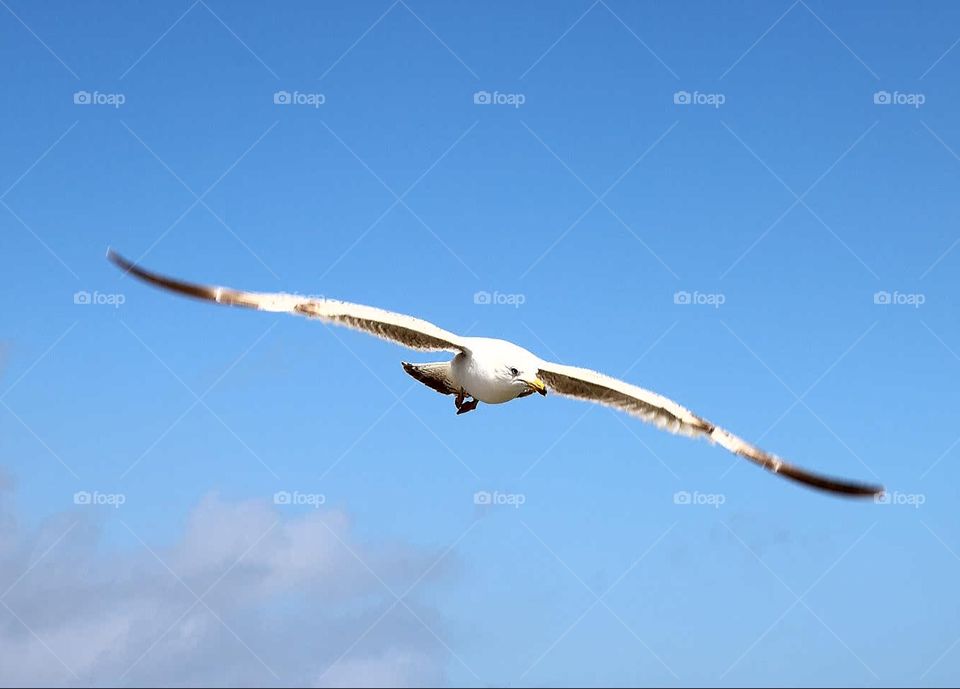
(538, 385)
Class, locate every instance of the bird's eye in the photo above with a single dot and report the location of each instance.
(514, 372)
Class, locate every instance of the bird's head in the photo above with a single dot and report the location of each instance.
(525, 377)
(510, 364)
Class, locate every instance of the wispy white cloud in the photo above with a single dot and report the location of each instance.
(287, 598)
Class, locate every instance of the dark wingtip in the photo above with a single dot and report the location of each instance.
(851, 489)
(875, 492)
(118, 260)
(217, 294)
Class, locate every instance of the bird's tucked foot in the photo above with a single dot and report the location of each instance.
(464, 407)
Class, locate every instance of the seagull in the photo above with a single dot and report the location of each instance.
(495, 371)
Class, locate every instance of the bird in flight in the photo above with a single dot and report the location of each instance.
(496, 371)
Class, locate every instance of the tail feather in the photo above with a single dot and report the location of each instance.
(435, 375)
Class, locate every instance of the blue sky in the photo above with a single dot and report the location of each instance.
(785, 166)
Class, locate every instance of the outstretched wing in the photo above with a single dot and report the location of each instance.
(585, 384)
(396, 327)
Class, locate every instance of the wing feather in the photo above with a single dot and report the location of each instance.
(395, 327)
(584, 384)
